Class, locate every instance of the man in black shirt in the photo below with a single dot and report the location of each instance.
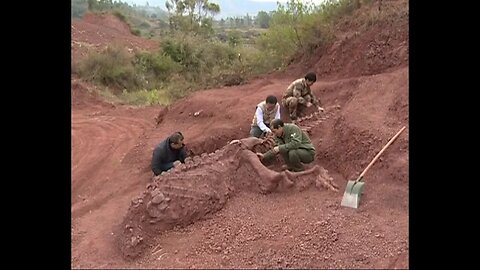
(167, 152)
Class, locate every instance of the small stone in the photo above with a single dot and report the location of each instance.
(158, 198)
(163, 206)
(135, 240)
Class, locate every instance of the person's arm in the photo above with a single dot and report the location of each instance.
(158, 156)
(271, 153)
(268, 155)
(297, 90)
(160, 152)
(315, 100)
(277, 115)
(295, 140)
(183, 155)
(260, 124)
(155, 156)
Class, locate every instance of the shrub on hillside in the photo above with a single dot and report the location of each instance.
(79, 8)
(156, 67)
(119, 15)
(146, 97)
(206, 63)
(112, 67)
(135, 32)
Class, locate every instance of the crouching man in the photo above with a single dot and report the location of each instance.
(167, 152)
(293, 144)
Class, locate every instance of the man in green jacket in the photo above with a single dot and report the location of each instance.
(292, 143)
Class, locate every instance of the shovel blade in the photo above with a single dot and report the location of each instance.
(353, 192)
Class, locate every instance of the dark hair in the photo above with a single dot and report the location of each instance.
(271, 99)
(176, 137)
(311, 76)
(276, 123)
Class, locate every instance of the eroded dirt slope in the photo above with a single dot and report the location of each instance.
(93, 33)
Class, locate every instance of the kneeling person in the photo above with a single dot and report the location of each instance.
(299, 96)
(265, 112)
(167, 152)
(292, 143)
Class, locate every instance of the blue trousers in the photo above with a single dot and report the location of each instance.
(255, 131)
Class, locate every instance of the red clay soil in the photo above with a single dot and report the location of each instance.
(112, 147)
(95, 32)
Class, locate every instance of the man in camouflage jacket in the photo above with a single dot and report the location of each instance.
(299, 94)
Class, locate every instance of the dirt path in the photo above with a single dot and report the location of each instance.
(101, 180)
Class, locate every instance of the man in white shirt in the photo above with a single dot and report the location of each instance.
(265, 113)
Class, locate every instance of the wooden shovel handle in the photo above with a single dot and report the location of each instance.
(379, 153)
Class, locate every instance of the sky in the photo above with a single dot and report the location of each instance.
(229, 8)
(160, 3)
(283, 1)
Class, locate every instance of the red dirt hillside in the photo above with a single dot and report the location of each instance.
(95, 32)
(362, 79)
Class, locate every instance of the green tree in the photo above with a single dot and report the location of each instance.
(263, 19)
(293, 17)
(248, 20)
(239, 22)
(191, 15)
(92, 4)
(231, 22)
(79, 7)
(234, 38)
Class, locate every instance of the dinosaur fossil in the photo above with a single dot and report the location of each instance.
(200, 187)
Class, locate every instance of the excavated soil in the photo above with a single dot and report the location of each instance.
(366, 87)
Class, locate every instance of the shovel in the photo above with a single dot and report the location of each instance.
(353, 191)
